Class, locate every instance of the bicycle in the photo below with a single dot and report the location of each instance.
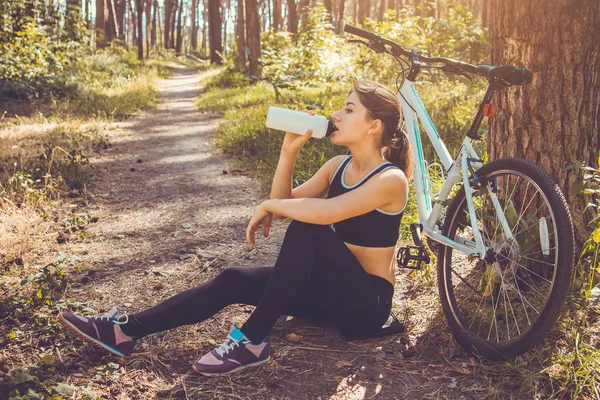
(506, 243)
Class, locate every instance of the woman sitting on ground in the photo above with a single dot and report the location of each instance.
(336, 259)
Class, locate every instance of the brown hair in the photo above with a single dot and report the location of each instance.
(382, 104)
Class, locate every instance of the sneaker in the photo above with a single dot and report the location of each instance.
(103, 330)
(234, 354)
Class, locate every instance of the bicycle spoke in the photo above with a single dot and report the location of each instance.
(528, 270)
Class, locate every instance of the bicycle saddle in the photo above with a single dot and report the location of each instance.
(507, 73)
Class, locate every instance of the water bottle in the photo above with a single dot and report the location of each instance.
(299, 122)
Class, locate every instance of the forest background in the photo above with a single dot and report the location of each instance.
(68, 67)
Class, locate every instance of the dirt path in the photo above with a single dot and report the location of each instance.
(170, 219)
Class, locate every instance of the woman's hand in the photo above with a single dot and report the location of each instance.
(293, 143)
(261, 217)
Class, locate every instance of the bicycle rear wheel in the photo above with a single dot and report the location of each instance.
(505, 303)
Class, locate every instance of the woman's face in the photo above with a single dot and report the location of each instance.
(351, 122)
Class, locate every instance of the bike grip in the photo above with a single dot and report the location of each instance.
(501, 70)
(360, 32)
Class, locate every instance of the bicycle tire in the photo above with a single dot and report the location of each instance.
(508, 277)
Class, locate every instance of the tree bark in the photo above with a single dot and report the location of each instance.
(204, 25)
(383, 6)
(214, 31)
(554, 121)
(179, 42)
(292, 16)
(101, 14)
(173, 24)
(121, 9)
(277, 15)
(252, 37)
(139, 8)
(240, 36)
(154, 20)
(363, 10)
(112, 26)
(148, 11)
(194, 33)
(329, 7)
(340, 17)
(167, 24)
(485, 14)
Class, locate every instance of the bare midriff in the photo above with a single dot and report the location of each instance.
(376, 260)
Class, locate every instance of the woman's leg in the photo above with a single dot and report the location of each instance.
(341, 285)
(234, 285)
(243, 285)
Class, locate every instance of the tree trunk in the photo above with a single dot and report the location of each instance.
(277, 15)
(555, 120)
(240, 36)
(292, 16)
(214, 31)
(340, 18)
(363, 6)
(194, 39)
(329, 7)
(383, 6)
(252, 37)
(121, 9)
(204, 25)
(173, 24)
(101, 14)
(167, 24)
(154, 20)
(112, 26)
(485, 14)
(179, 44)
(148, 11)
(140, 28)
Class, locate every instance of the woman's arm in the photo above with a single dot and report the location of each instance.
(391, 187)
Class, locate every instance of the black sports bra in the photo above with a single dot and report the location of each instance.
(376, 228)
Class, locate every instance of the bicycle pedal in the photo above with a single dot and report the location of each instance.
(412, 257)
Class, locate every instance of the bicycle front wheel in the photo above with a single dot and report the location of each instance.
(504, 303)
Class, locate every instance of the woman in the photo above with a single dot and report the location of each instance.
(336, 260)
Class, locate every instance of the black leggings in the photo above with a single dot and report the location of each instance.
(315, 276)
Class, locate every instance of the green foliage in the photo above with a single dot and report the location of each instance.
(47, 70)
(588, 265)
(35, 382)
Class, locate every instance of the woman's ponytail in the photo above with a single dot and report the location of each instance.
(397, 151)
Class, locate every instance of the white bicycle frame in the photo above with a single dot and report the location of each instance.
(457, 171)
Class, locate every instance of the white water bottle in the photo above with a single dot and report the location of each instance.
(299, 122)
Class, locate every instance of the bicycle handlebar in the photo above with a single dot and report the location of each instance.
(398, 50)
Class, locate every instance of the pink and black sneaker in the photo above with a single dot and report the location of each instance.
(103, 331)
(234, 354)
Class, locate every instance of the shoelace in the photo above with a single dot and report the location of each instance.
(226, 346)
(114, 318)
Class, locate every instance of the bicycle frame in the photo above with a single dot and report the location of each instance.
(457, 169)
